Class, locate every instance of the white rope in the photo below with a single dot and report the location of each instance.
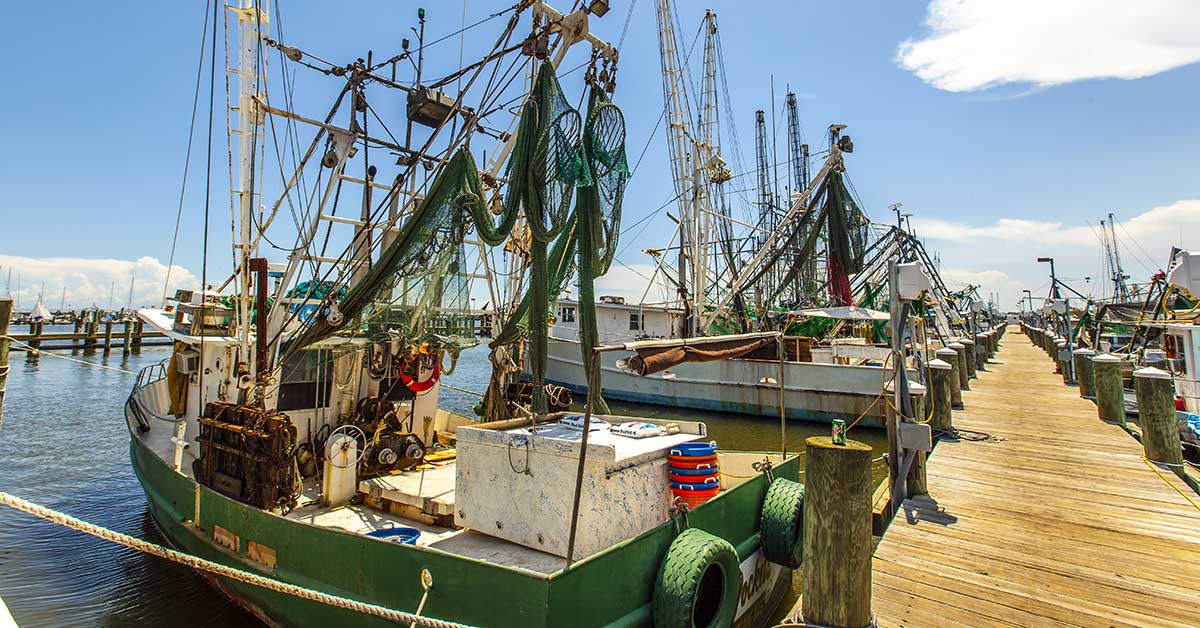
(201, 564)
(36, 351)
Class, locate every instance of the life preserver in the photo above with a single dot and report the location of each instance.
(698, 583)
(420, 385)
(782, 523)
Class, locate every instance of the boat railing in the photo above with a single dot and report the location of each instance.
(141, 412)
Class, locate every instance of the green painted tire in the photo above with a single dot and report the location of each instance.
(698, 583)
(782, 523)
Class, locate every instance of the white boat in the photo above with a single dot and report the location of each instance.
(843, 379)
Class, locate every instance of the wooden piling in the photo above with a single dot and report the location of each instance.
(950, 356)
(1064, 362)
(969, 356)
(837, 534)
(981, 354)
(6, 307)
(1156, 414)
(940, 373)
(139, 328)
(961, 356)
(916, 482)
(1084, 373)
(35, 330)
(108, 336)
(127, 338)
(1110, 390)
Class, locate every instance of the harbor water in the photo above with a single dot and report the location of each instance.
(64, 445)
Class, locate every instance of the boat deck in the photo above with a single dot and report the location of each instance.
(1053, 519)
(361, 519)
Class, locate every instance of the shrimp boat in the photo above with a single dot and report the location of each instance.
(731, 277)
(294, 433)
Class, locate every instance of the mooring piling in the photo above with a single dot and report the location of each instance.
(1110, 390)
(1156, 414)
(940, 373)
(949, 355)
(969, 356)
(837, 534)
(1084, 374)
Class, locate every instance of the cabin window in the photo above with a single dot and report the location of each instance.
(635, 322)
(305, 381)
(567, 315)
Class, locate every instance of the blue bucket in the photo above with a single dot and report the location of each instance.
(407, 536)
(694, 449)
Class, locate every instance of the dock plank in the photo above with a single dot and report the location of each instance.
(1042, 515)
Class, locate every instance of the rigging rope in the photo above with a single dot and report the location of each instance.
(218, 569)
(37, 351)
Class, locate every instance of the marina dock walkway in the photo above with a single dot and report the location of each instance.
(1054, 519)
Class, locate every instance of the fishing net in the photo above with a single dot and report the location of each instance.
(598, 210)
(417, 289)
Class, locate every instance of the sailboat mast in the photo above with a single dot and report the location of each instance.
(1118, 274)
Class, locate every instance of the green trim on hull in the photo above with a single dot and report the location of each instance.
(612, 588)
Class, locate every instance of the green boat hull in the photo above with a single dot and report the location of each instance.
(612, 588)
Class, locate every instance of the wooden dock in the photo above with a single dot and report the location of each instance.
(1056, 522)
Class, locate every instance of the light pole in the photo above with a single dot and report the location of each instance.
(1053, 281)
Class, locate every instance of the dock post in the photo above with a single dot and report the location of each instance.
(107, 336)
(981, 354)
(1110, 389)
(138, 330)
(915, 481)
(6, 307)
(35, 330)
(1084, 373)
(1063, 357)
(837, 534)
(127, 338)
(963, 375)
(1156, 414)
(93, 326)
(950, 356)
(940, 373)
(969, 356)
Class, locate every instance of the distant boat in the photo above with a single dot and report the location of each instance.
(40, 313)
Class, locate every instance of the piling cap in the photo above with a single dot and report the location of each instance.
(1084, 351)
(956, 346)
(913, 388)
(967, 342)
(1060, 342)
(1106, 358)
(938, 364)
(948, 352)
(1151, 373)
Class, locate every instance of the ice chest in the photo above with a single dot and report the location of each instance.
(519, 486)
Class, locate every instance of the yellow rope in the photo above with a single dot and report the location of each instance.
(1170, 483)
(218, 569)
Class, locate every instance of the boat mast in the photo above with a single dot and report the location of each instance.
(1119, 276)
(252, 16)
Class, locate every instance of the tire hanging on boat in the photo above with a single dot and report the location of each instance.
(698, 583)
(782, 523)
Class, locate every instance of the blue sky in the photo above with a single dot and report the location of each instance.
(1002, 140)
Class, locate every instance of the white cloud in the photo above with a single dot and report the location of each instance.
(630, 281)
(1001, 256)
(89, 281)
(976, 44)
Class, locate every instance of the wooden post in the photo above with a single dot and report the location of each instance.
(981, 354)
(35, 330)
(6, 307)
(837, 534)
(1063, 357)
(915, 481)
(1110, 390)
(960, 351)
(940, 373)
(969, 355)
(107, 336)
(93, 329)
(1156, 414)
(138, 330)
(127, 338)
(1084, 373)
(950, 356)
